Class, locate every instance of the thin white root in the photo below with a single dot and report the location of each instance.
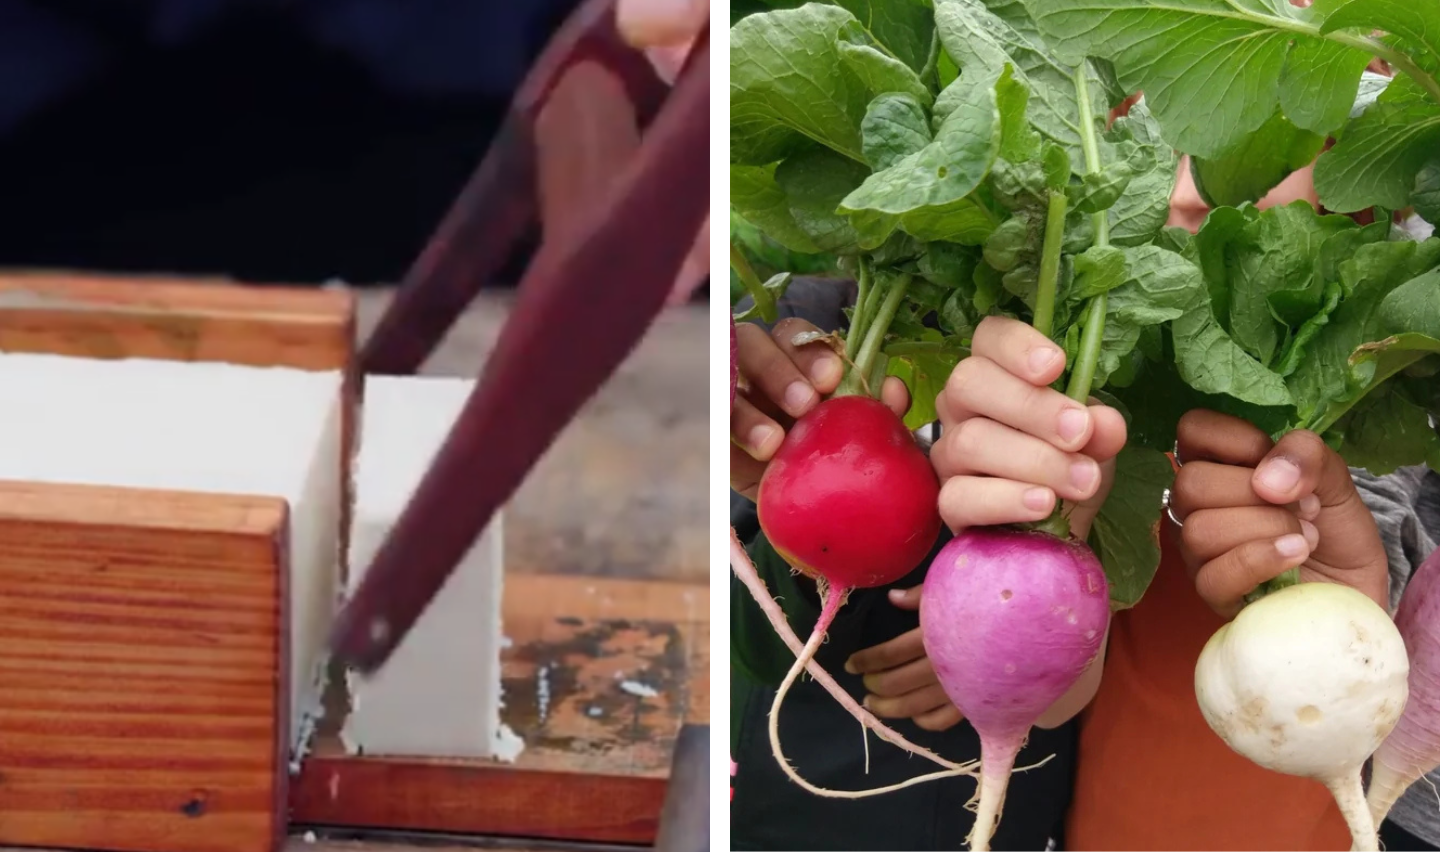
(1386, 787)
(831, 601)
(745, 569)
(994, 781)
(1350, 796)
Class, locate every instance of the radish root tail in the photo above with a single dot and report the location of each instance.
(1386, 786)
(745, 570)
(1350, 796)
(995, 770)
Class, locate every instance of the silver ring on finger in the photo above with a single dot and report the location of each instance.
(1175, 453)
(1169, 509)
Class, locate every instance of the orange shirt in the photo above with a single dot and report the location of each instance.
(1151, 774)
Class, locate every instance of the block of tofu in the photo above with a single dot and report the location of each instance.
(197, 427)
(439, 695)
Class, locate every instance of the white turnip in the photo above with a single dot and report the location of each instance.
(1010, 621)
(1308, 681)
(1413, 748)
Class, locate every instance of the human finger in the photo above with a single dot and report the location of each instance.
(660, 23)
(771, 372)
(1107, 437)
(980, 387)
(817, 361)
(1224, 581)
(1210, 532)
(984, 501)
(916, 674)
(980, 446)
(1019, 349)
(1301, 463)
(895, 395)
(1203, 435)
(903, 649)
(940, 719)
(908, 705)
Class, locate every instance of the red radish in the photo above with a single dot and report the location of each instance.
(1412, 749)
(1010, 620)
(849, 497)
(850, 500)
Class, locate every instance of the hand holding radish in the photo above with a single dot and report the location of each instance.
(1010, 444)
(1309, 678)
(899, 679)
(1253, 509)
(779, 383)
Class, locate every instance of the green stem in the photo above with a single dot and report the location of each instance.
(1050, 262)
(1289, 578)
(864, 287)
(1397, 60)
(764, 301)
(1084, 371)
(853, 383)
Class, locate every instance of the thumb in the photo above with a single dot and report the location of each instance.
(906, 598)
(1301, 464)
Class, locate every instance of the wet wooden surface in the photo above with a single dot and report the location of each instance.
(599, 675)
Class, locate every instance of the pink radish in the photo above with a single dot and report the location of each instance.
(1010, 620)
(1412, 749)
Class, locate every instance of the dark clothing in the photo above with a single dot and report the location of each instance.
(822, 740)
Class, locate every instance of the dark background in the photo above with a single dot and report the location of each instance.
(249, 151)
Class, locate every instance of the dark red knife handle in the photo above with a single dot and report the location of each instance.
(498, 206)
(581, 310)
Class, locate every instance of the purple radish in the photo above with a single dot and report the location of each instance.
(1412, 749)
(1010, 621)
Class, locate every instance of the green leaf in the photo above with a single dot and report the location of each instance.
(1294, 351)
(1215, 243)
(1324, 383)
(1099, 269)
(1209, 68)
(1416, 20)
(1387, 431)
(788, 88)
(895, 126)
(1018, 140)
(949, 265)
(1379, 154)
(988, 288)
(1005, 246)
(1160, 286)
(1211, 362)
(814, 182)
(1320, 83)
(1426, 196)
(1126, 534)
(1142, 209)
(1099, 190)
(1257, 165)
(925, 376)
(755, 195)
(936, 179)
(982, 42)
(956, 315)
(904, 27)
(882, 74)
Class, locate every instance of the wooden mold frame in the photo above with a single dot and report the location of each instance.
(599, 673)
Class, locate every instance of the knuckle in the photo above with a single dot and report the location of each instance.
(967, 440)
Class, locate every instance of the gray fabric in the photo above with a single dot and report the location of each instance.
(1406, 505)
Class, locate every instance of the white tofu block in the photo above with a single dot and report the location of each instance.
(439, 694)
(204, 427)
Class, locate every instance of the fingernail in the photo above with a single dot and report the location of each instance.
(1036, 499)
(798, 397)
(825, 370)
(1279, 474)
(758, 437)
(1042, 357)
(1083, 474)
(866, 702)
(897, 595)
(1292, 546)
(1312, 535)
(1072, 423)
(1309, 507)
